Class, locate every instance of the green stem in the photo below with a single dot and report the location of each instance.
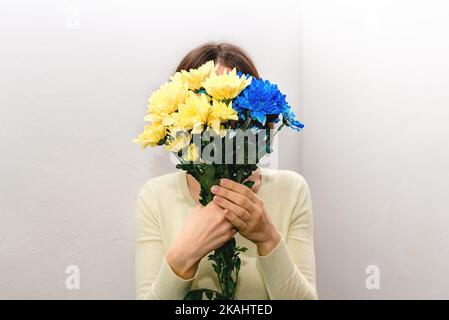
(278, 129)
(247, 122)
(225, 260)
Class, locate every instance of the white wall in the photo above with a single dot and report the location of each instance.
(71, 101)
(375, 79)
(368, 78)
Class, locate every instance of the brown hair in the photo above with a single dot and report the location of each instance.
(226, 54)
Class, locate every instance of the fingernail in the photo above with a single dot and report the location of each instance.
(216, 198)
(222, 182)
(214, 189)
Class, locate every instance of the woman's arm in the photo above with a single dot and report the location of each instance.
(168, 273)
(155, 280)
(289, 269)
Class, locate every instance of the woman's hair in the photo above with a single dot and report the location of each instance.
(227, 54)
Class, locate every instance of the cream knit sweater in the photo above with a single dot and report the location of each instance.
(287, 272)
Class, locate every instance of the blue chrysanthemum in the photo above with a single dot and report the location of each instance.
(289, 119)
(261, 99)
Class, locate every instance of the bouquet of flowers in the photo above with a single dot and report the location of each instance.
(218, 126)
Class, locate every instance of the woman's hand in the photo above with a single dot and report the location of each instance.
(245, 210)
(206, 229)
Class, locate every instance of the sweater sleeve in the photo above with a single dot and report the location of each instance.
(289, 269)
(155, 280)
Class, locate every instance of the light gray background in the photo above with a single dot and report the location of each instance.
(368, 78)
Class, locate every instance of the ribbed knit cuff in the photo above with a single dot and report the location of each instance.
(278, 264)
(169, 286)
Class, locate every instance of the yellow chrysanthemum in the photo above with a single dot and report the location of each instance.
(165, 101)
(193, 113)
(223, 131)
(177, 142)
(225, 86)
(195, 77)
(191, 153)
(220, 112)
(151, 135)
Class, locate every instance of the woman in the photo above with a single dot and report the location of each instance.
(273, 220)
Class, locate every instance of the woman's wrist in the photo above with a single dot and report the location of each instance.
(182, 263)
(265, 247)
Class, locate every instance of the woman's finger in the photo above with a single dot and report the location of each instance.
(238, 187)
(234, 197)
(238, 223)
(241, 212)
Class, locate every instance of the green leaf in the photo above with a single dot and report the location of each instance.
(249, 184)
(197, 294)
(237, 264)
(194, 295)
